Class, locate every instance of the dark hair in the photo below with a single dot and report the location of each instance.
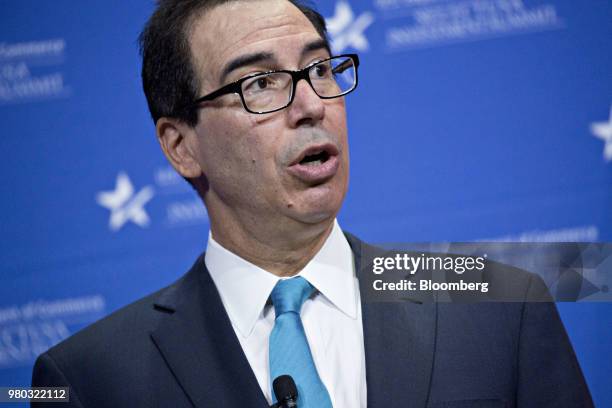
(169, 79)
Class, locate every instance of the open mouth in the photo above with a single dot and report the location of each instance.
(316, 164)
(316, 155)
(315, 159)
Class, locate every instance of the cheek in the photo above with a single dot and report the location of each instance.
(249, 151)
(335, 117)
(223, 150)
(261, 150)
(253, 139)
(337, 125)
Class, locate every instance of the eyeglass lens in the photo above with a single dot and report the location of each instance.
(272, 91)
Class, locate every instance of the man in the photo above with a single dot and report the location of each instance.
(250, 108)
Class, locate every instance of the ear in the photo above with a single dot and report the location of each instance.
(176, 140)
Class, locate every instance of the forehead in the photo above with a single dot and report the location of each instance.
(240, 27)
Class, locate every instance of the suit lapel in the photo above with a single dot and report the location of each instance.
(399, 340)
(198, 343)
(196, 339)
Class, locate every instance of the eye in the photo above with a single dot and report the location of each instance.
(257, 84)
(267, 82)
(321, 70)
(262, 82)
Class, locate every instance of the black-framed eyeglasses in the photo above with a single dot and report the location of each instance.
(272, 91)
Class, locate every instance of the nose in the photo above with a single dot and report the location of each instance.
(307, 108)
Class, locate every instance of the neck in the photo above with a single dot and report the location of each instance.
(280, 253)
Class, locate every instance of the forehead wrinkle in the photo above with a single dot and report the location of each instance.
(273, 28)
(287, 14)
(260, 45)
(210, 56)
(267, 33)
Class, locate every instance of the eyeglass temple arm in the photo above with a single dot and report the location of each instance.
(354, 60)
(229, 88)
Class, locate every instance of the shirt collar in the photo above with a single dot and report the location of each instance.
(245, 288)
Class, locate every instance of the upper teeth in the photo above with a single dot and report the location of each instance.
(314, 162)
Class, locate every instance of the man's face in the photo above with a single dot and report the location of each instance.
(253, 162)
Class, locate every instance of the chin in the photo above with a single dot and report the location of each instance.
(316, 217)
(317, 206)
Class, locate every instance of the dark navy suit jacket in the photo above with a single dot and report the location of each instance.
(177, 348)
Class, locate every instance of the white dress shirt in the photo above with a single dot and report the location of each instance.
(331, 317)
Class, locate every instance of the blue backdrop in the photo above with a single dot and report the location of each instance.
(473, 120)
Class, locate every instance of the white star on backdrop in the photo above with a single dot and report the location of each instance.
(124, 205)
(603, 130)
(347, 31)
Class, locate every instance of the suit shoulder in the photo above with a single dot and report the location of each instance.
(510, 283)
(129, 325)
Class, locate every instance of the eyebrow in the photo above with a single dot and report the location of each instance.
(245, 60)
(316, 45)
(250, 59)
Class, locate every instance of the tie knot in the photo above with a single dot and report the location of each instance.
(290, 294)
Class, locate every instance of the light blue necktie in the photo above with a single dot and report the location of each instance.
(289, 351)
